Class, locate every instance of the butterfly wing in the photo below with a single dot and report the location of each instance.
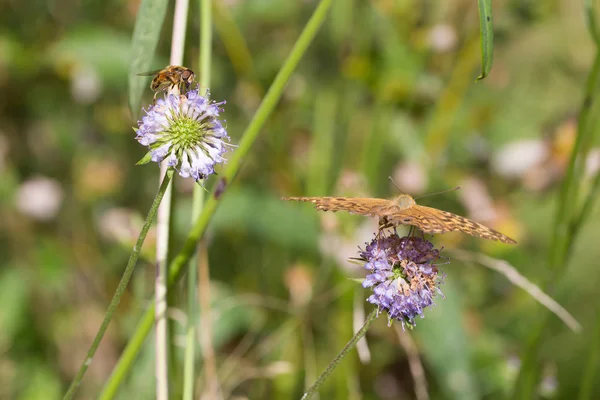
(354, 205)
(432, 220)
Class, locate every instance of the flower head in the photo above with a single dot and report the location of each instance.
(184, 130)
(403, 275)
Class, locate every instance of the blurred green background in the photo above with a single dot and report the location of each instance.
(387, 89)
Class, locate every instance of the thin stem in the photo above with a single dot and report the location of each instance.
(248, 138)
(206, 27)
(160, 296)
(162, 233)
(590, 19)
(568, 194)
(414, 363)
(189, 375)
(313, 389)
(213, 390)
(129, 355)
(179, 27)
(589, 379)
(133, 257)
(234, 43)
(587, 206)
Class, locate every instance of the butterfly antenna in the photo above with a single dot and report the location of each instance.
(394, 183)
(436, 193)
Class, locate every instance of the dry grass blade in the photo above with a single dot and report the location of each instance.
(519, 280)
(414, 363)
(358, 316)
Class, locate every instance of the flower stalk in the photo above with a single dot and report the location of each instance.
(349, 346)
(133, 257)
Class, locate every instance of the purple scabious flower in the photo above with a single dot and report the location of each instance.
(403, 275)
(184, 130)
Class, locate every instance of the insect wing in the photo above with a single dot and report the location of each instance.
(432, 220)
(354, 205)
(149, 73)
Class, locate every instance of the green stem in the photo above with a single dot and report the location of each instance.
(248, 138)
(349, 346)
(588, 380)
(566, 228)
(129, 355)
(590, 19)
(568, 194)
(133, 257)
(189, 375)
(586, 208)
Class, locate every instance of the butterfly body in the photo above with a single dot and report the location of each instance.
(404, 201)
(403, 210)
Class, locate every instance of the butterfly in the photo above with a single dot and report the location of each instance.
(403, 210)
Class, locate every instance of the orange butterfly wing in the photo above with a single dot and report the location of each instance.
(432, 220)
(354, 205)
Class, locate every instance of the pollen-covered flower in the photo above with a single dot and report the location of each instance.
(403, 275)
(184, 130)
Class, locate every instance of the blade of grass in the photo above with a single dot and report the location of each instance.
(486, 36)
(588, 378)
(146, 33)
(590, 19)
(519, 280)
(234, 42)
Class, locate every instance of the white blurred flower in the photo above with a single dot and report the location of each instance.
(39, 198)
(442, 38)
(122, 225)
(592, 163)
(516, 158)
(86, 85)
(477, 200)
(411, 177)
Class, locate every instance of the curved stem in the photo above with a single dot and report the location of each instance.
(313, 389)
(133, 257)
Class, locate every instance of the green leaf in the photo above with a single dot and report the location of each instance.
(145, 160)
(148, 24)
(486, 33)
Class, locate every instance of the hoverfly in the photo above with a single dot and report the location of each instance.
(170, 77)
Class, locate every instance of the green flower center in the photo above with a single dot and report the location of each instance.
(185, 132)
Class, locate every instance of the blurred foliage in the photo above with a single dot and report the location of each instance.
(387, 89)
